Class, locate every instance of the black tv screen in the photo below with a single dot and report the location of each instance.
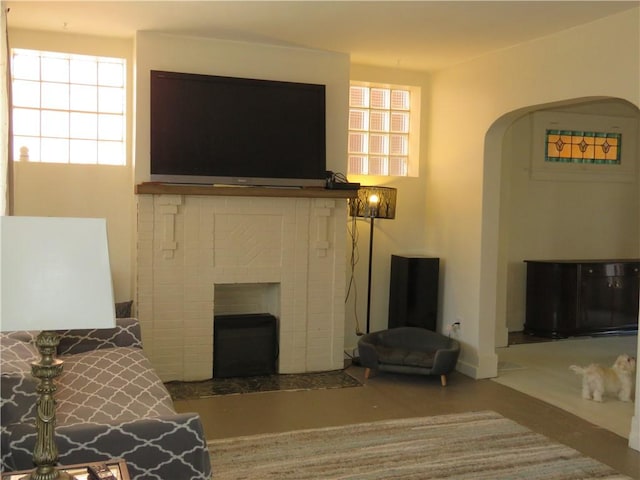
(224, 130)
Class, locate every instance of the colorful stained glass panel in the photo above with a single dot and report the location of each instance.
(573, 146)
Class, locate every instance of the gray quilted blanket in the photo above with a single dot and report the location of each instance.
(112, 385)
(110, 404)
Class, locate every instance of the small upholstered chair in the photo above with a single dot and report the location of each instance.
(409, 350)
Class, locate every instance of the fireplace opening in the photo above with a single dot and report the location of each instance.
(244, 345)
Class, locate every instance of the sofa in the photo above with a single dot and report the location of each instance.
(410, 350)
(110, 404)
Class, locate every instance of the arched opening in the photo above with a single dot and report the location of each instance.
(532, 216)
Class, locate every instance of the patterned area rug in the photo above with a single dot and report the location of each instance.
(473, 446)
(266, 383)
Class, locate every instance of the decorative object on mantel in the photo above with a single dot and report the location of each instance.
(55, 275)
(373, 202)
(494, 448)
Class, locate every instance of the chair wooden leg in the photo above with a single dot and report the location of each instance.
(367, 373)
(443, 380)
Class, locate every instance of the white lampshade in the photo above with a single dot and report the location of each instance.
(54, 274)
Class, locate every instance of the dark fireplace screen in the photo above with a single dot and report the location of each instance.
(244, 345)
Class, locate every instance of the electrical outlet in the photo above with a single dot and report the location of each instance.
(454, 328)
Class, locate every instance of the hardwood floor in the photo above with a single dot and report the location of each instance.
(542, 370)
(387, 396)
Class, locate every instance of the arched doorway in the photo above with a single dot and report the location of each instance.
(526, 216)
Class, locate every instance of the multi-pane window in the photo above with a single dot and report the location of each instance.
(379, 130)
(68, 108)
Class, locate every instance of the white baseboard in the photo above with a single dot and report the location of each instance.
(634, 435)
(487, 367)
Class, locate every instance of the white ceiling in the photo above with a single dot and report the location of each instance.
(417, 35)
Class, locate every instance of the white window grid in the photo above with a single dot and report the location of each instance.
(68, 108)
(379, 130)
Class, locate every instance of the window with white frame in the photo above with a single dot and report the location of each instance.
(68, 108)
(381, 121)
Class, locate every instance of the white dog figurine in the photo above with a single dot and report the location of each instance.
(617, 380)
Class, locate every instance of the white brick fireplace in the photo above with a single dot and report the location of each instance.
(189, 245)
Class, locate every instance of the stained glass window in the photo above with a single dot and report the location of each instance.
(572, 146)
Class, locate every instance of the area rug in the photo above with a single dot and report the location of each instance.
(474, 446)
(263, 383)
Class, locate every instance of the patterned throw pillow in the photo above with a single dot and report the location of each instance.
(17, 386)
(123, 309)
(17, 354)
(112, 385)
(19, 397)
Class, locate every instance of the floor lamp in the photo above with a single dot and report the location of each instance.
(54, 275)
(372, 203)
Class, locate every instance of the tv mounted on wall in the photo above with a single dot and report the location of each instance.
(224, 130)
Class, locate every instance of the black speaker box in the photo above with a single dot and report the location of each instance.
(244, 345)
(413, 292)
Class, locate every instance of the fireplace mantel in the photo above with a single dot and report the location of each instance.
(194, 241)
(242, 191)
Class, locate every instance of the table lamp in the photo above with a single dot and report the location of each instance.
(373, 202)
(54, 275)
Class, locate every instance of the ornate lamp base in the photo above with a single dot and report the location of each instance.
(45, 453)
(55, 474)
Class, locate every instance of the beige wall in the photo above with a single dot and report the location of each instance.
(5, 200)
(564, 219)
(473, 105)
(108, 191)
(407, 233)
(216, 57)
(82, 190)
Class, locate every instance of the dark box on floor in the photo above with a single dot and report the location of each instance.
(244, 345)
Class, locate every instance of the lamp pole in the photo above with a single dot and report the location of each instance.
(374, 203)
(369, 277)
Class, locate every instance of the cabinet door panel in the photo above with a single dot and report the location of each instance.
(569, 297)
(597, 299)
(551, 299)
(609, 297)
(626, 297)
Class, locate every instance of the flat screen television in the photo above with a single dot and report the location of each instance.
(224, 130)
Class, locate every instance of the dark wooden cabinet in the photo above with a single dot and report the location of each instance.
(581, 297)
(413, 292)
